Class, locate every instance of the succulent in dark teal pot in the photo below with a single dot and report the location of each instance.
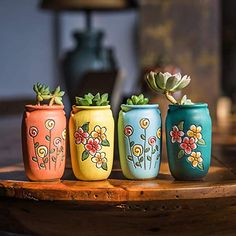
(188, 128)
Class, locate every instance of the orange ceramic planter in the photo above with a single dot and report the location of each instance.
(44, 142)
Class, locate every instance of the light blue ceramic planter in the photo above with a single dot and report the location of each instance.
(188, 136)
(139, 133)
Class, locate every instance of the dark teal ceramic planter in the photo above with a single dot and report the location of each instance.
(188, 138)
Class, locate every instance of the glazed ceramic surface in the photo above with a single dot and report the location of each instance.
(139, 133)
(91, 131)
(188, 135)
(44, 142)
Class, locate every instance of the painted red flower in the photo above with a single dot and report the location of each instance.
(80, 136)
(152, 140)
(128, 130)
(93, 145)
(176, 135)
(188, 145)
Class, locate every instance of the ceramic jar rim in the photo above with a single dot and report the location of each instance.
(91, 107)
(146, 106)
(186, 106)
(43, 107)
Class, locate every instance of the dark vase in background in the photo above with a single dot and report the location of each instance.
(88, 55)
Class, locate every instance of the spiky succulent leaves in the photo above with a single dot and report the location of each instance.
(151, 81)
(137, 100)
(185, 101)
(42, 92)
(91, 100)
(57, 95)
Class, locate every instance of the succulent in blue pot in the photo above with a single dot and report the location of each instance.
(188, 128)
(139, 136)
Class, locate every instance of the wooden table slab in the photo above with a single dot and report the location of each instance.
(162, 205)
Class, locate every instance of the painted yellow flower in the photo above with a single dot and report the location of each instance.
(144, 123)
(159, 133)
(99, 133)
(195, 159)
(42, 151)
(49, 124)
(195, 132)
(63, 134)
(99, 159)
(137, 150)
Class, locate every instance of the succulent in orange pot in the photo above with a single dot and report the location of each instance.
(44, 135)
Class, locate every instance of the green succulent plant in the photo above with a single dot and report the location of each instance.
(43, 93)
(92, 100)
(167, 84)
(137, 100)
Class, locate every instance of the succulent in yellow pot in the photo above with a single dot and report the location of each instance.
(91, 131)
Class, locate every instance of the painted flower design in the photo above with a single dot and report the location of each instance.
(159, 133)
(152, 140)
(137, 150)
(128, 130)
(81, 136)
(42, 151)
(93, 145)
(176, 135)
(195, 159)
(188, 145)
(195, 132)
(63, 134)
(144, 123)
(99, 132)
(49, 124)
(99, 159)
(33, 131)
(57, 142)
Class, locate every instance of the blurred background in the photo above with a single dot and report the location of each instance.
(108, 46)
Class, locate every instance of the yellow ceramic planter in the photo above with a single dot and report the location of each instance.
(91, 130)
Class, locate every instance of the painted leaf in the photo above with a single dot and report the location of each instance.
(158, 156)
(104, 166)
(85, 127)
(181, 154)
(181, 125)
(147, 149)
(105, 142)
(54, 159)
(131, 143)
(46, 160)
(138, 164)
(85, 155)
(157, 148)
(143, 136)
(141, 159)
(36, 145)
(130, 158)
(52, 150)
(47, 137)
(201, 142)
(153, 151)
(42, 165)
(34, 159)
(149, 158)
(200, 166)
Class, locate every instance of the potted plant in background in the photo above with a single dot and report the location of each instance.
(44, 135)
(91, 129)
(139, 136)
(188, 128)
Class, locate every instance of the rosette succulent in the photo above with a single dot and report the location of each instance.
(43, 93)
(92, 100)
(167, 84)
(137, 100)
